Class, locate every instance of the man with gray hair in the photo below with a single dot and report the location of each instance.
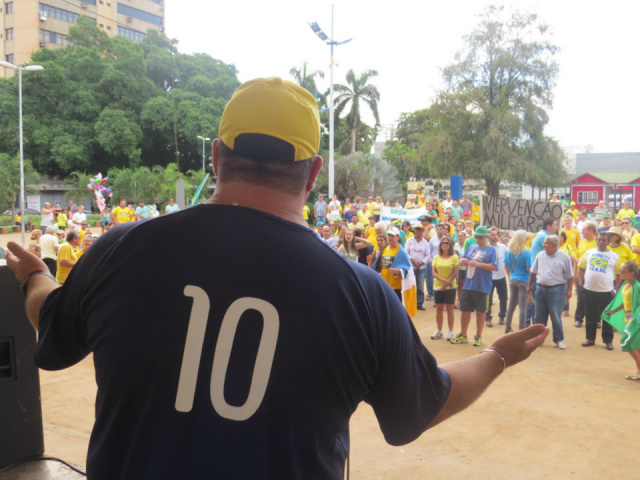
(49, 249)
(47, 217)
(550, 270)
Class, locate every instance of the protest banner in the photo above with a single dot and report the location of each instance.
(387, 214)
(517, 213)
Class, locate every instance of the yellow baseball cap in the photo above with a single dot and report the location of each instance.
(271, 119)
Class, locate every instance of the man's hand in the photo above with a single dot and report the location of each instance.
(22, 263)
(517, 346)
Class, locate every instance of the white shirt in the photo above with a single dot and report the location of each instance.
(435, 244)
(599, 275)
(501, 249)
(172, 208)
(48, 244)
(553, 269)
(78, 218)
(419, 251)
(46, 220)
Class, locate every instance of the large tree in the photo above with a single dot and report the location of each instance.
(109, 102)
(358, 92)
(489, 122)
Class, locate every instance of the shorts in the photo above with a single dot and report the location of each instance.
(472, 300)
(447, 297)
(462, 275)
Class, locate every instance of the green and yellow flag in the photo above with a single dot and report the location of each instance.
(630, 331)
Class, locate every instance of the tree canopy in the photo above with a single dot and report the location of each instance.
(489, 121)
(105, 102)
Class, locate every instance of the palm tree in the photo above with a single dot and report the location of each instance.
(358, 91)
(307, 80)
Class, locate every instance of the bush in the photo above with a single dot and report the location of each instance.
(6, 220)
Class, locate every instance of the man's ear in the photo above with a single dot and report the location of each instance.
(215, 155)
(316, 167)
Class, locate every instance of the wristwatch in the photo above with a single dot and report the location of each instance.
(25, 284)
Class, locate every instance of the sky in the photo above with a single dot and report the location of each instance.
(596, 98)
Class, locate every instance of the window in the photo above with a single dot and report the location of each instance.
(9, 58)
(58, 13)
(8, 33)
(134, 35)
(53, 37)
(139, 14)
(92, 2)
(589, 198)
(8, 7)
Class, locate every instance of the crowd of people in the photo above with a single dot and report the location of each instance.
(460, 265)
(261, 364)
(64, 234)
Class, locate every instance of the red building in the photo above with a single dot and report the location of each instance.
(614, 188)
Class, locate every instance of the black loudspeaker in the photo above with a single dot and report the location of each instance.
(20, 410)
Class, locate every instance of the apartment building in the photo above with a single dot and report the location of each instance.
(27, 25)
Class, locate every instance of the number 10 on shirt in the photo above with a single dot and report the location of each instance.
(193, 353)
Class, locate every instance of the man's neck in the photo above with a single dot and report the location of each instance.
(259, 197)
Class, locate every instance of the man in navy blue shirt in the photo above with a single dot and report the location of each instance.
(252, 361)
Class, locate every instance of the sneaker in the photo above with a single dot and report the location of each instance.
(450, 336)
(429, 297)
(578, 323)
(501, 321)
(489, 324)
(420, 307)
(508, 330)
(459, 339)
(565, 313)
(437, 335)
(561, 345)
(477, 341)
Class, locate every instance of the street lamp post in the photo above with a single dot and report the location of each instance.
(203, 140)
(331, 42)
(29, 68)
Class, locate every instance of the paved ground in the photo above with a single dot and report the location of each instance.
(561, 415)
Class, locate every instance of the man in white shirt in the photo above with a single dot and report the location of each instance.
(49, 249)
(79, 217)
(597, 275)
(498, 278)
(47, 217)
(550, 270)
(172, 207)
(419, 252)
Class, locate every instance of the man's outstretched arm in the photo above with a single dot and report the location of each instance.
(471, 377)
(22, 264)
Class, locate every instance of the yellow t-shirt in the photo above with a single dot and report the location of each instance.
(65, 252)
(635, 242)
(627, 296)
(376, 208)
(388, 256)
(569, 250)
(626, 213)
(305, 212)
(123, 215)
(624, 252)
(62, 220)
(82, 234)
(574, 213)
(573, 237)
(370, 234)
(585, 245)
(444, 267)
(364, 216)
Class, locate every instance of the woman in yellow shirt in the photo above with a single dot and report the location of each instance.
(445, 272)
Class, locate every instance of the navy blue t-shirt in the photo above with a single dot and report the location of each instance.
(219, 354)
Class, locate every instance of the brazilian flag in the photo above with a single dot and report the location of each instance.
(630, 331)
